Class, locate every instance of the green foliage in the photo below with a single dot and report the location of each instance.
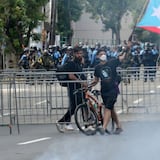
(111, 12)
(137, 8)
(68, 11)
(18, 19)
(36, 36)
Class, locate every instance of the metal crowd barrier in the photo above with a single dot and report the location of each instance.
(140, 90)
(35, 97)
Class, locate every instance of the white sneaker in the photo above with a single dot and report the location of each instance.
(59, 127)
(91, 128)
(88, 128)
(69, 127)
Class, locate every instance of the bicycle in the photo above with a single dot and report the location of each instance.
(89, 114)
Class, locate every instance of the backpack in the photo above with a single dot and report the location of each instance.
(62, 77)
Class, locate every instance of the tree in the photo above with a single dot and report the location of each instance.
(111, 12)
(68, 11)
(19, 18)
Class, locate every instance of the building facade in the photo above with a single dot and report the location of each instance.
(86, 29)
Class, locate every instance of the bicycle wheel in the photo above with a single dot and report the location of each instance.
(86, 119)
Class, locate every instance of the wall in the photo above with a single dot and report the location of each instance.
(87, 28)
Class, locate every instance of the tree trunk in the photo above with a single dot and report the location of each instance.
(53, 23)
(118, 39)
(1, 61)
(113, 40)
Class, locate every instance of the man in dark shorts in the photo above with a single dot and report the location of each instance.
(105, 71)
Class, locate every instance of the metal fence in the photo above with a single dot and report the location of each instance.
(92, 42)
(35, 97)
(141, 90)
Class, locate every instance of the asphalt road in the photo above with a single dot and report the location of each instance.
(139, 141)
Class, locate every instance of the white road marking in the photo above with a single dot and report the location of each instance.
(135, 102)
(6, 114)
(119, 111)
(34, 141)
(41, 102)
(138, 100)
(12, 89)
(152, 91)
(158, 86)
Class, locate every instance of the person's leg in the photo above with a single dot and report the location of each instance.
(74, 100)
(109, 112)
(151, 73)
(145, 73)
(106, 118)
(138, 72)
(107, 100)
(67, 116)
(115, 118)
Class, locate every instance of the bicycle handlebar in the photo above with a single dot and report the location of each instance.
(84, 89)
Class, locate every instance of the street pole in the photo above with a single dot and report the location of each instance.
(53, 19)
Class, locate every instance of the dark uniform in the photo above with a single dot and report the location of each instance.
(148, 62)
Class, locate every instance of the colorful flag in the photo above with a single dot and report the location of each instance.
(151, 18)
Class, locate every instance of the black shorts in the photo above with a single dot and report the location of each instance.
(109, 100)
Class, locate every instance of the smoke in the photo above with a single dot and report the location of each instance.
(140, 140)
(75, 148)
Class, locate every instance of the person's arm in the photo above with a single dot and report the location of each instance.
(63, 59)
(21, 59)
(122, 57)
(74, 78)
(94, 82)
